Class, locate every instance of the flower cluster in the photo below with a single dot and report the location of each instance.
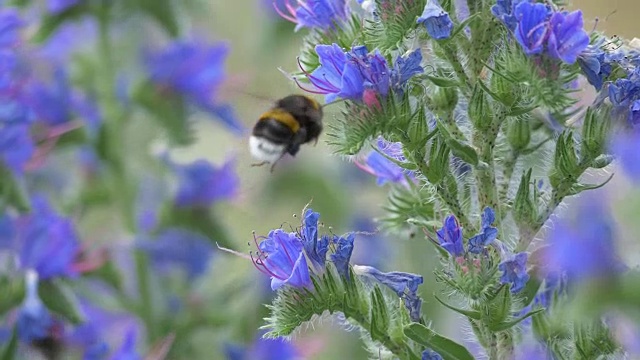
(381, 163)
(360, 75)
(315, 14)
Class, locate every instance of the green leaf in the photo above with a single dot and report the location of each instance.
(530, 290)
(468, 313)
(12, 291)
(58, 298)
(163, 12)
(51, 23)
(9, 352)
(465, 152)
(443, 82)
(578, 188)
(447, 348)
(509, 324)
(13, 190)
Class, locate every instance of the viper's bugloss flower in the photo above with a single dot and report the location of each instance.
(16, 147)
(127, 350)
(405, 285)
(436, 20)
(179, 248)
(450, 236)
(430, 355)
(514, 271)
(263, 349)
(10, 25)
(314, 14)
(584, 248)
(488, 234)
(195, 71)
(46, 241)
(384, 169)
(34, 320)
(280, 255)
(504, 10)
(624, 94)
(316, 249)
(200, 183)
(342, 254)
(594, 65)
(58, 6)
(558, 34)
(349, 75)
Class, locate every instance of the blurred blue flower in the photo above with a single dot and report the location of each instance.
(405, 285)
(264, 349)
(384, 169)
(626, 147)
(634, 114)
(514, 271)
(281, 256)
(316, 250)
(34, 321)
(16, 147)
(436, 20)
(533, 351)
(127, 350)
(349, 75)
(488, 234)
(567, 38)
(450, 236)
(47, 242)
(430, 355)
(585, 248)
(200, 183)
(10, 25)
(531, 30)
(179, 248)
(58, 6)
(594, 65)
(315, 14)
(342, 254)
(195, 71)
(504, 10)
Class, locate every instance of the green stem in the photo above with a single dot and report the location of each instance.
(145, 307)
(452, 57)
(402, 351)
(507, 174)
(485, 174)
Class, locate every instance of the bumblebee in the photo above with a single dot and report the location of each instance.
(293, 121)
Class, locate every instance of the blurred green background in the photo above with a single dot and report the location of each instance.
(261, 43)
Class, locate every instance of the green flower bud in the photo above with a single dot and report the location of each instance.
(444, 100)
(524, 209)
(519, 134)
(595, 131)
(479, 109)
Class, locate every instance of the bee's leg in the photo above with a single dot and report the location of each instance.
(275, 162)
(260, 164)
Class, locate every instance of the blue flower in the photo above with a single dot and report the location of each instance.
(195, 71)
(264, 349)
(532, 31)
(436, 20)
(200, 184)
(514, 271)
(594, 66)
(430, 355)
(182, 248)
(567, 38)
(405, 285)
(504, 10)
(316, 250)
(10, 25)
(450, 236)
(127, 350)
(320, 14)
(281, 256)
(634, 114)
(406, 67)
(342, 254)
(16, 147)
(584, 249)
(488, 234)
(47, 242)
(384, 169)
(58, 6)
(34, 321)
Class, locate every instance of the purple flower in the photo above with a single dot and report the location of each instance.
(436, 20)
(128, 349)
(488, 234)
(504, 10)
(34, 321)
(201, 184)
(181, 248)
(16, 147)
(47, 242)
(342, 254)
(350, 75)
(320, 14)
(264, 349)
(634, 114)
(196, 72)
(430, 355)
(535, 351)
(384, 169)
(316, 250)
(514, 271)
(567, 38)
(405, 285)
(531, 31)
(584, 249)
(10, 25)
(281, 256)
(450, 236)
(58, 6)
(594, 66)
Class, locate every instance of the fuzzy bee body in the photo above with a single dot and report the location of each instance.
(293, 121)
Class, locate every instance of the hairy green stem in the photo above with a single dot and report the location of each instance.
(145, 307)
(485, 174)
(451, 54)
(508, 167)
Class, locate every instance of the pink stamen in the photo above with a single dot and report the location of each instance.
(308, 90)
(283, 15)
(317, 81)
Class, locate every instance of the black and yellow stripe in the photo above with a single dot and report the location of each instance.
(283, 117)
